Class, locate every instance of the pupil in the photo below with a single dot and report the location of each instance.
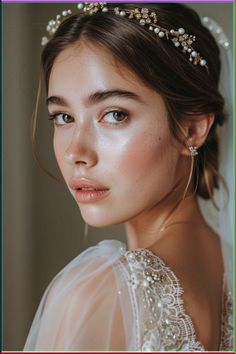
(119, 116)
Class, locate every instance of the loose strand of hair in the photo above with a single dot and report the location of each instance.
(33, 134)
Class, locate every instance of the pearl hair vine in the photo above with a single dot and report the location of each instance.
(144, 17)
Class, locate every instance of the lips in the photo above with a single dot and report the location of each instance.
(87, 191)
(85, 184)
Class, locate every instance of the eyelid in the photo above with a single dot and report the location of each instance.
(53, 117)
(116, 110)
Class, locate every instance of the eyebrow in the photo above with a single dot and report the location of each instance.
(97, 97)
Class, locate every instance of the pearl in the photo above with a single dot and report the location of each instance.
(177, 44)
(131, 256)
(80, 6)
(189, 50)
(122, 13)
(205, 19)
(172, 31)
(150, 28)
(44, 41)
(194, 54)
(156, 30)
(202, 62)
(69, 12)
(64, 13)
(161, 34)
(145, 283)
(226, 44)
(181, 30)
(105, 9)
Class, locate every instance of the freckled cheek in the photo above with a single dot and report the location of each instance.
(140, 156)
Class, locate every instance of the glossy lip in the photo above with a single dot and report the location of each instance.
(82, 182)
(87, 196)
(90, 196)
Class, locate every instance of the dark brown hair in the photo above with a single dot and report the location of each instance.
(187, 89)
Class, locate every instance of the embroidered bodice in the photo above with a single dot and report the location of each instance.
(109, 299)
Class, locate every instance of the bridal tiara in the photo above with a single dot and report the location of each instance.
(144, 17)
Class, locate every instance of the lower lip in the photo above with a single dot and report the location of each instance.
(90, 196)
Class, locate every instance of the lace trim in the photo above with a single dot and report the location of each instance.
(165, 325)
(166, 320)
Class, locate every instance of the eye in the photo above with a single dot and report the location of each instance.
(60, 118)
(115, 117)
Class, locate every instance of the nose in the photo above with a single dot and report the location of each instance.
(81, 148)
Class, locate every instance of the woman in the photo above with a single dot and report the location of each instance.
(133, 95)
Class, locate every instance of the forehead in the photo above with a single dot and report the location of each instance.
(89, 67)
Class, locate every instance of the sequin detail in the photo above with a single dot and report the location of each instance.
(156, 295)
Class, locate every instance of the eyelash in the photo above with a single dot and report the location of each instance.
(53, 117)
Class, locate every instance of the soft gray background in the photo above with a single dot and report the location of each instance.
(42, 229)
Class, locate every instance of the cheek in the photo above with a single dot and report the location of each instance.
(145, 155)
(59, 146)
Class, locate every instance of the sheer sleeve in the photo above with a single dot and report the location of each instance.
(111, 299)
(81, 309)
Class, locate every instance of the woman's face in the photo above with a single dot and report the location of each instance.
(111, 140)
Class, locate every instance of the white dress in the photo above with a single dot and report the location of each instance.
(110, 299)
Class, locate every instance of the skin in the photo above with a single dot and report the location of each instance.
(145, 168)
(120, 156)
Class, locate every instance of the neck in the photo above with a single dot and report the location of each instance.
(147, 228)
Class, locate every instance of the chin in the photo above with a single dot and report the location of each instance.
(98, 219)
(98, 223)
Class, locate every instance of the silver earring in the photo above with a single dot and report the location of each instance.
(193, 150)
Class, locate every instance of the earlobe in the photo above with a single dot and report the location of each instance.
(197, 130)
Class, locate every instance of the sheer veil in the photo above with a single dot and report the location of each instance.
(222, 220)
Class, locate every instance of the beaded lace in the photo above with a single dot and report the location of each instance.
(109, 299)
(157, 297)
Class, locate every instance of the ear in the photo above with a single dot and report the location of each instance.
(197, 130)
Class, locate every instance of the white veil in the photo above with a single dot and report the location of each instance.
(222, 220)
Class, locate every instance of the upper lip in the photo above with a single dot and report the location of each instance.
(78, 183)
